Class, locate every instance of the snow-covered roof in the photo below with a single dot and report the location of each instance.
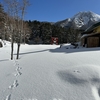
(86, 35)
(92, 27)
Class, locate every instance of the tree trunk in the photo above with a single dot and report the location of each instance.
(18, 51)
(24, 38)
(12, 49)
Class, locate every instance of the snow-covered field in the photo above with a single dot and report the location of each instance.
(47, 72)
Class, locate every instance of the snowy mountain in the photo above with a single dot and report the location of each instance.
(81, 20)
(64, 23)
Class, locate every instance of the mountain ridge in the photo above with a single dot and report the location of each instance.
(81, 20)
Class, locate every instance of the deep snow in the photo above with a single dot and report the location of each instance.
(47, 72)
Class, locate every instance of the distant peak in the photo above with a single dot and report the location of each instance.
(81, 20)
(87, 12)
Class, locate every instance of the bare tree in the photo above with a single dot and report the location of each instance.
(24, 5)
(14, 21)
(10, 21)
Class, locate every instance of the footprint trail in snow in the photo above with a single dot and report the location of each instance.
(15, 82)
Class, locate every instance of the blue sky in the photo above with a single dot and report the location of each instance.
(56, 10)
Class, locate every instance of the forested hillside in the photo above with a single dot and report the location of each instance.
(43, 31)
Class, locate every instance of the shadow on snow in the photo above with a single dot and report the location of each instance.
(73, 79)
(64, 49)
(24, 53)
(4, 60)
(72, 50)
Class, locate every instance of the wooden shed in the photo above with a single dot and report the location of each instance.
(91, 36)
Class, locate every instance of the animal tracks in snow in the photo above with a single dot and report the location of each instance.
(8, 97)
(18, 68)
(15, 84)
(18, 72)
(76, 71)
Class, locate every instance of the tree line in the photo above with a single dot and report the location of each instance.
(41, 32)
